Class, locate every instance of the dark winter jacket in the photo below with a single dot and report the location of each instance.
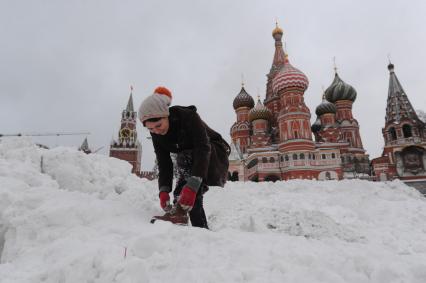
(188, 132)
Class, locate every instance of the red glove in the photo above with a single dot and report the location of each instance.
(187, 198)
(165, 201)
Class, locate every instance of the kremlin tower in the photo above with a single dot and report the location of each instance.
(128, 147)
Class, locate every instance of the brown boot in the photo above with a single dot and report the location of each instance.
(176, 215)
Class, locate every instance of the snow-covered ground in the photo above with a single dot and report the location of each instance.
(70, 217)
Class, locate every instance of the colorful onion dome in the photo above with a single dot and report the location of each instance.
(243, 99)
(260, 111)
(289, 77)
(316, 126)
(325, 107)
(339, 90)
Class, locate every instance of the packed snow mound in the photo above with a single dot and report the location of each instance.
(70, 217)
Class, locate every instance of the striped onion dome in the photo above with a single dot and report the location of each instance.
(243, 99)
(260, 111)
(325, 107)
(316, 126)
(339, 90)
(289, 77)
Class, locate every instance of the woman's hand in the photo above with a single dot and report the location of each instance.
(165, 201)
(187, 198)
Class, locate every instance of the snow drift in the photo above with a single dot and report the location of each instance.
(70, 217)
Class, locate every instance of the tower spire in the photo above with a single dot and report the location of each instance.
(129, 107)
(85, 147)
(334, 65)
(279, 57)
(398, 104)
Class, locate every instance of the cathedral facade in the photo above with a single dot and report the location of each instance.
(273, 140)
(404, 152)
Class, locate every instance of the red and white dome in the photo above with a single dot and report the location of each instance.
(289, 77)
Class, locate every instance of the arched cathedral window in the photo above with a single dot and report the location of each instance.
(406, 129)
(392, 133)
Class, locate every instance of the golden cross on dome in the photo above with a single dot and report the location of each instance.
(389, 58)
(334, 63)
(258, 95)
(131, 88)
(323, 92)
(242, 79)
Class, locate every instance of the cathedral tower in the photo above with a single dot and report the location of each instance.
(404, 154)
(343, 96)
(325, 128)
(294, 118)
(272, 100)
(240, 130)
(260, 118)
(401, 121)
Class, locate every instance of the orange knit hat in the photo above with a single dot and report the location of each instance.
(163, 90)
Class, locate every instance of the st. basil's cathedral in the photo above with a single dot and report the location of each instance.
(273, 140)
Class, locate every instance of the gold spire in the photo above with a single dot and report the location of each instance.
(277, 29)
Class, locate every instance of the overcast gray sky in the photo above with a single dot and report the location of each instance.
(66, 66)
